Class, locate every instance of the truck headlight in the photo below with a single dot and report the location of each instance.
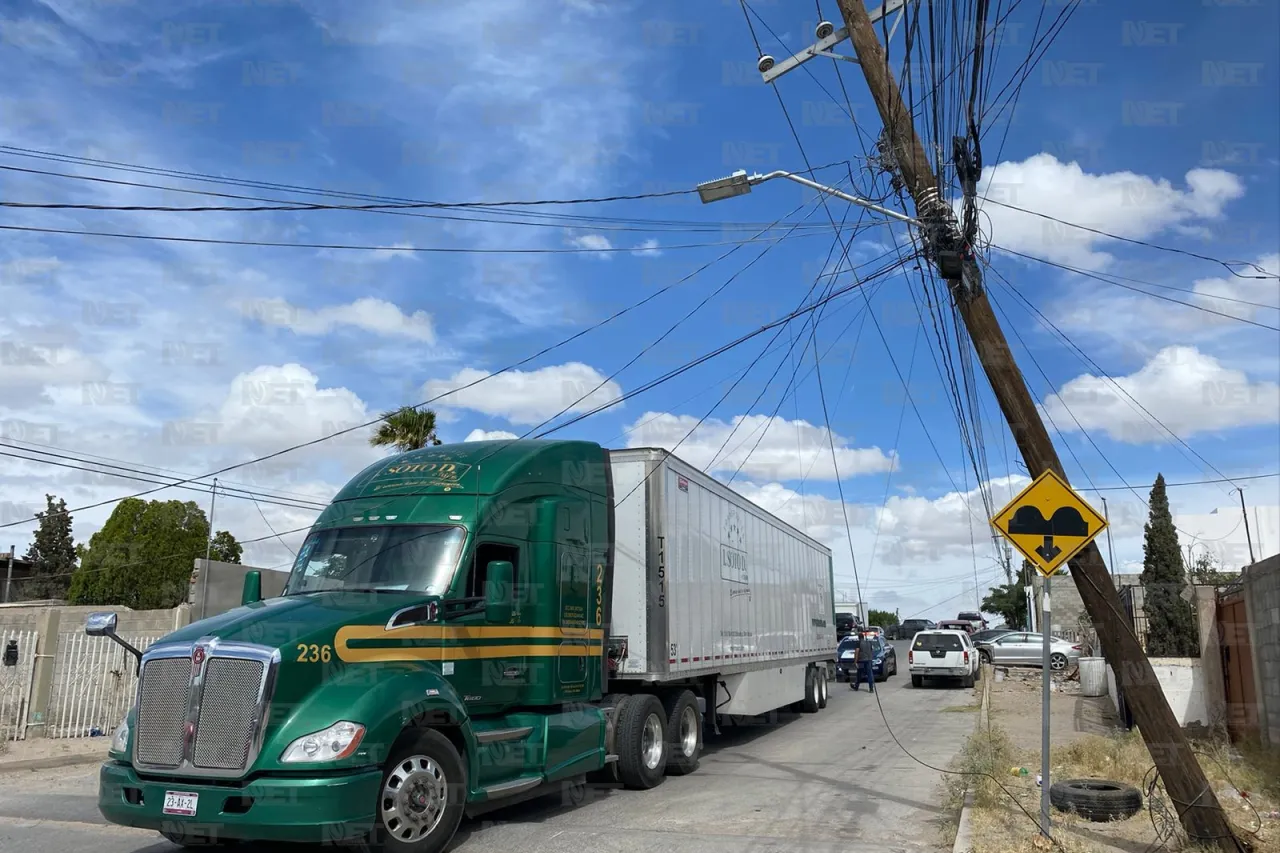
(120, 740)
(337, 741)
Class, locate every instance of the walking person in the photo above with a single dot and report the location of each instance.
(865, 661)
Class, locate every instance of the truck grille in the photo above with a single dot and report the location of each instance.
(228, 714)
(185, 725)
(162, 711)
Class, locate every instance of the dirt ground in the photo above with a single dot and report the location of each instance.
(38, 747)
(1087, 742)
(1015, 707)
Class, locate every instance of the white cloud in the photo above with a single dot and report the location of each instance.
(821, 517)
(1125, 204)
(1186, 390)
(1228, 294)
(787, 450)
(597, 243)
(370, 314)
(649, 248)
(526, 397)
(490, 435)
(925, 530)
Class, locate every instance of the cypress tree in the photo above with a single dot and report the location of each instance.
(1171, 624)
(52, 553)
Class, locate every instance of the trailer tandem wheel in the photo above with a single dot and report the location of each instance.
(684, 732)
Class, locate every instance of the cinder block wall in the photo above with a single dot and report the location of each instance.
(1262, 604)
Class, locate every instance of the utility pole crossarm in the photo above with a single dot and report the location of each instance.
(1199, 811)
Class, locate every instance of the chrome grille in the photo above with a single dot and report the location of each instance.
(162, 711)
(228, 713)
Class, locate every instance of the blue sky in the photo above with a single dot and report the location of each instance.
(191, 356)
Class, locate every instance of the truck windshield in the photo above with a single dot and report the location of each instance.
(405, 558)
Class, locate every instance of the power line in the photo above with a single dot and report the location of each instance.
(1098, 277)
(1186, 483)
(464, 387)
(1136, 242)
(447, 250)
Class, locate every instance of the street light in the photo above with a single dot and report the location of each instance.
(740, 183)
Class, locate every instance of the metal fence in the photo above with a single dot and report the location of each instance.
(94, 681)
(15, 683)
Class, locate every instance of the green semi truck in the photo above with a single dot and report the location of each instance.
(467, 626)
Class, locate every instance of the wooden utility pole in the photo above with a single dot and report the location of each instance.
(1194, 800)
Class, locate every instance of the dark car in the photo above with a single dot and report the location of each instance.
(893, 632)
(885, 661)
(846, 624)
(910, 627)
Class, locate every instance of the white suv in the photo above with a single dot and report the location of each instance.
(943, 654)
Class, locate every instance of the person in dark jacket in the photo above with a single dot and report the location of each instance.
(866, 663)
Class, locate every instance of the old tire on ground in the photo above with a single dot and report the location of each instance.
(810, 703)
(822, 687)
(684, 732)
(1096, 799)
(917, 681)
(641, 741)
(422, 796)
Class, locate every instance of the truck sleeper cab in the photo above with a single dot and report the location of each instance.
(467, 626)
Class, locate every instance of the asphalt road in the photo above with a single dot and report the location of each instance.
(821, 783)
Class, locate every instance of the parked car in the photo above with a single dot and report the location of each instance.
(846, 624)
(974, 618)
(874, 629)
(911, 627)
(893, 632)
(988, 635)
(956, 625)
(943, 653)
(1023, 649)
(884, 664)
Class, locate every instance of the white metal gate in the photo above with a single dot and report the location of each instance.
(15, 684)
(94, 682)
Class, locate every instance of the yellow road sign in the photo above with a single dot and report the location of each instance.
(1048, 522)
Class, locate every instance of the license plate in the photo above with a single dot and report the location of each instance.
(180, 803)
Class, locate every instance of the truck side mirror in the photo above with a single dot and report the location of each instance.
(102, 624)
(498, 592)
(251, 592)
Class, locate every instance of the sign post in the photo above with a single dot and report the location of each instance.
(1049, 523)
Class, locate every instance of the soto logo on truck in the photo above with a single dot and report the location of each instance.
(733, 554)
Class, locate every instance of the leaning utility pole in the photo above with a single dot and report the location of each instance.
(1198, 808)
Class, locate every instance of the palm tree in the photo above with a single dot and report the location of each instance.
(405, 429)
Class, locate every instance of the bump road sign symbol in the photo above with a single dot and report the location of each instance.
(1048, 522)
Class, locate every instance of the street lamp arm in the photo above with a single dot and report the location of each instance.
(832, 191)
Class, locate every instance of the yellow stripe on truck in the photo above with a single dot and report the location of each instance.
(443, 633)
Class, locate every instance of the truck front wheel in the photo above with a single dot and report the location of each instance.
(424, 790)
(641, 741)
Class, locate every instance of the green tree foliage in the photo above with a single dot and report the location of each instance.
(1171, 626)
(52, 553)
(225, 547)
(883, 618)
(1205, 569)
(1009, 601)
(405, 429)
(143, 556)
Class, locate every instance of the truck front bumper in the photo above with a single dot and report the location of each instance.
(309, 810)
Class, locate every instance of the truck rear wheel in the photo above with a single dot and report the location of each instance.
(423, 794)
(641, 741)
(684, 732)
(822, 687)
(811, 698)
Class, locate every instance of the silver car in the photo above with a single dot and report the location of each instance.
(1021, 649)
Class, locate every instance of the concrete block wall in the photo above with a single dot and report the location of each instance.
(24, 617)
(1261, 583)
(216, 586)
(1183, 682)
